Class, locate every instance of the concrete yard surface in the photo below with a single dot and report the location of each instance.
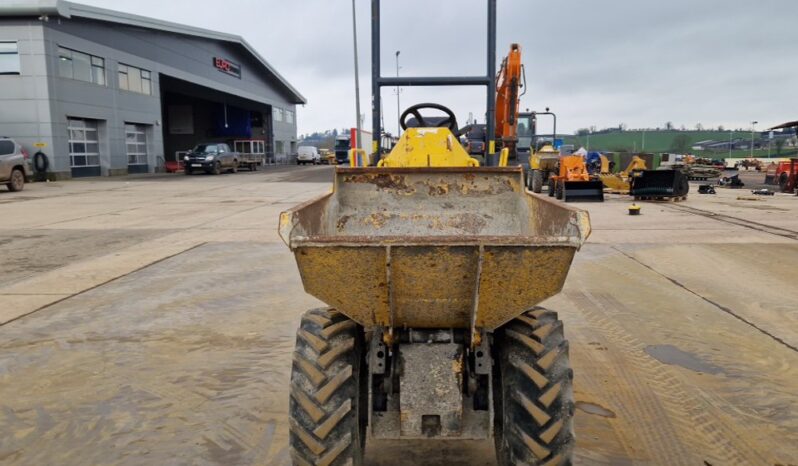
(151, 320)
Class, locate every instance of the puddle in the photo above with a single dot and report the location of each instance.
(592, 408)
(669, 354)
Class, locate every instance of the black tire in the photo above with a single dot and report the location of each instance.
(536, 181)
(188, 171)
(217, 168)
(234, 168)
(783, 182)
(17, 181)
(558, 192)
(329, 399)
(40, 162)
(533, 391)
(551, 187)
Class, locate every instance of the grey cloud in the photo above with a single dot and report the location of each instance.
(600, 63)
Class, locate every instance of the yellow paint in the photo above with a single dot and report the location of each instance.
(428, 147)
(40, 145)
(492, 147)
(353, 159)
(504, 157)
(619, 182)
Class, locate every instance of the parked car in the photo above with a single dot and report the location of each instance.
(15, 167)
(308, 154)
(211, 157)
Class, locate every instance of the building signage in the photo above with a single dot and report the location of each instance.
(226, 66)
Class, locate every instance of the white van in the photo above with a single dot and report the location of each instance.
(308, 154)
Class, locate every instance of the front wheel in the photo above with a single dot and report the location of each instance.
(552, 187)
(217, 168)
(328, 408)
(17, 181)
(533, 391)
(188, 171)
(536, 181)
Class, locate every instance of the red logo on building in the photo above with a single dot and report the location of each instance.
(227, 67)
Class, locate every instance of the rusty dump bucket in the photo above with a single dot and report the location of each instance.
(433, 247)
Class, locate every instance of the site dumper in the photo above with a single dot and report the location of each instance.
(431, 274)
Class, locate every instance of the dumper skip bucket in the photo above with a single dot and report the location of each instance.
(433, 247)
(659, 183)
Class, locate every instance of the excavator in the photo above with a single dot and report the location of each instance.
(510, 79)
(431, 265)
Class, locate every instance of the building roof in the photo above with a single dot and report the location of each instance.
(67, 9)
(789, 124)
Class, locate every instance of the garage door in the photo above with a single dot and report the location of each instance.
(84, 147)
(136, 146)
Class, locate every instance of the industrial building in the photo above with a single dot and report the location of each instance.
(102, 92)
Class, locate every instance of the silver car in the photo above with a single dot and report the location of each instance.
(14, 165)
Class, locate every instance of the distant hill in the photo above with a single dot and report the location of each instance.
(655, 141)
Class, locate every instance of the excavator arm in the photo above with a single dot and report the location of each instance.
(508, 83)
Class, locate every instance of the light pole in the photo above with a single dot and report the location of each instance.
(357, 80)
(730, 143)
(398, 123)
(753, 125)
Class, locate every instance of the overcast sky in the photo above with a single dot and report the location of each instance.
(642, 63)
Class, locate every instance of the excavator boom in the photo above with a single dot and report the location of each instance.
(508, 84)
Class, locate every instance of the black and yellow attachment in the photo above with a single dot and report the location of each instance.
(654, 184)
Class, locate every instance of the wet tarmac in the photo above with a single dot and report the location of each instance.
(155, 324)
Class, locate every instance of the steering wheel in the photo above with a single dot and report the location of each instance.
(450, 121)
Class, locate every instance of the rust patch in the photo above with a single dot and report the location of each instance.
(468, 222)
(383, 181)
(342, 222)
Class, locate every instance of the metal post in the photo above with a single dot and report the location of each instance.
(730, 143)
(357, 79)
(490, 117)
(376, 130)
(398, 123)
(753, 125)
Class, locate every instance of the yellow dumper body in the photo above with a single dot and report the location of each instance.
(432, 247)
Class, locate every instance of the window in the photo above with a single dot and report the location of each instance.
(135, 79)
(289, 116)
(136, 144)
(278, 145)
(277, 114)
(9, 58)
(84, 146)
(6, 147)
(81, 66)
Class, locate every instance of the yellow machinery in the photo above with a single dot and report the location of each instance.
(573, 183)
(431, 265)
(619, 182)
(428, 147)
(542, 165)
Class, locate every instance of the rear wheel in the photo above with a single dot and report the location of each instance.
(533, 397)
(17, 180)
(234, 168)
(551, 187)
(328, 406)
(783, 182)
(558, 191)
